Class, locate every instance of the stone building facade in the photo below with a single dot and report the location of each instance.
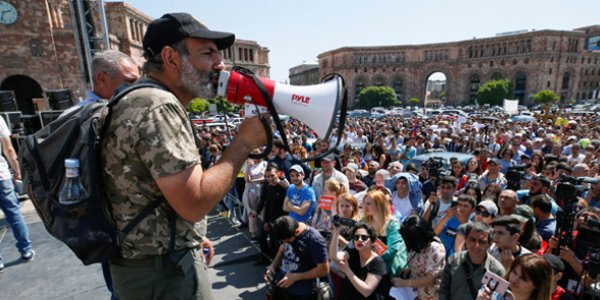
(39, 52)
(304, 74)
(567, 62)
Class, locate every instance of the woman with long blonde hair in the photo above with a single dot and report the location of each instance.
(377, 213)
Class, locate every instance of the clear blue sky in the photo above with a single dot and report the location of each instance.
(298, 31)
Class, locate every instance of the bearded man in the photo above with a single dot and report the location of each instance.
(149, 156)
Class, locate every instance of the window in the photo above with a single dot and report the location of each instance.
(240, 53)
(566, 78)
(251, 54)
(550, 72)
(36, 48)
(548, 85)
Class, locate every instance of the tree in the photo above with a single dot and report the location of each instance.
(414, 101)
(494, 92)
(372, 96)
(198, 105)
(545, 97)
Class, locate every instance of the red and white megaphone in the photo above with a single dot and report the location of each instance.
(314, 105)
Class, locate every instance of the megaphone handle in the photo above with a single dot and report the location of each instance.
(269, 146)
(269, 103)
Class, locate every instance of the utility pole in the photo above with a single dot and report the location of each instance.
(87, 39)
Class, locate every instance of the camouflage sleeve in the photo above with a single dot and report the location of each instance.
(165, 142)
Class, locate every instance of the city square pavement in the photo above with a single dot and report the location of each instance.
(57, 274)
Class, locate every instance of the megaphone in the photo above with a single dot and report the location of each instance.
(314, 105)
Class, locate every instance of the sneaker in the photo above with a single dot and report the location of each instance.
(28, 256)
(235, 222)
(1, 267)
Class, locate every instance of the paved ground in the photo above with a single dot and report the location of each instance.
(57, 274)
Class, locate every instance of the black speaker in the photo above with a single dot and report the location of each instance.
(8, 101)
(59, 99)
(31, 123)
(13, 120)
(48, 116)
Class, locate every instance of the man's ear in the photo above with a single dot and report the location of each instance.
(171, 59)
(558, 276)
(100, 78)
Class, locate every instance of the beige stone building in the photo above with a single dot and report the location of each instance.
(40, 52)
(567, 62)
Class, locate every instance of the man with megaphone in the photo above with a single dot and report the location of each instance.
(149, 152)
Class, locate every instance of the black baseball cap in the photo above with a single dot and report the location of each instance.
(174, 27)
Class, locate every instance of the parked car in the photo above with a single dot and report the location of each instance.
(445, 156)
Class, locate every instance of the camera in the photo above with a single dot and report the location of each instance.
(435, 166)
(272, 280)
(570, 187)
(339, 220)
(514, 175)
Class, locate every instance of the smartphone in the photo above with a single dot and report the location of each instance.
(454, 204)
(495, 283)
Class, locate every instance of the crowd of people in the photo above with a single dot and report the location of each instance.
(371, 222)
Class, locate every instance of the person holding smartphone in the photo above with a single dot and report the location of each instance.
(365, 270)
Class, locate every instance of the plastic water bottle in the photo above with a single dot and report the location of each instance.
(72, 191)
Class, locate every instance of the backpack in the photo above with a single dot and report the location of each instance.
(87, 227)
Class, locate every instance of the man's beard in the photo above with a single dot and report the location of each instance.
(195, 81)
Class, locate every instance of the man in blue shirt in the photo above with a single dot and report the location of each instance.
(111, 68)
(301, 259)
(300, 201)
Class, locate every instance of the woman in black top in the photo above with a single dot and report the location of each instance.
(365, 271)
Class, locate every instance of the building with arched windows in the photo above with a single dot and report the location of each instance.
(567, 62)
(41, 48)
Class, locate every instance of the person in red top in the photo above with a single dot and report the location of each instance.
(558, 293)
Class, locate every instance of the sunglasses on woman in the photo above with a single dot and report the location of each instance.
(362, 237)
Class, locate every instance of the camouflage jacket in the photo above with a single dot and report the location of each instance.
(149, 136)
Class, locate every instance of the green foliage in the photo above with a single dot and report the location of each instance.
(377, 96)
(494, 92)
(414, 101)
(199, 105)
(545, 97)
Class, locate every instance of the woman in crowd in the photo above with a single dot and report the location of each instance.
(492, 192)
(537, 160)
(364, 270)
(321, 220)
(368, 152)
(254, 177)
(377, 213)
(426, 259)
(473, 167)
(529, 277)
(459, 172)
(300, 152)
(474, 191)
(380, 156)
(346, 206)
(506, 160)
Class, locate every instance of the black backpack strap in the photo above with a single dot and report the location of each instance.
(142, 215)
(121, 92)
(469, 278)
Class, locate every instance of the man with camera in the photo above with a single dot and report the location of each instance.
(299, 263)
